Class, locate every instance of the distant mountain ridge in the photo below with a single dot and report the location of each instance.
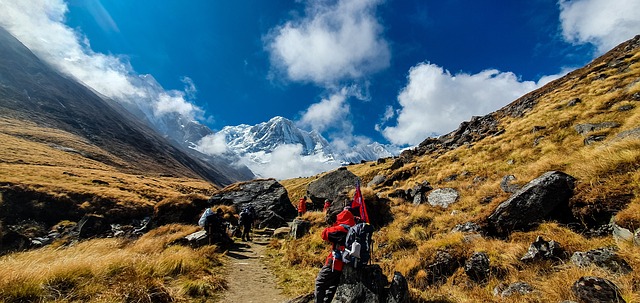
(278, 131)
(30, 90)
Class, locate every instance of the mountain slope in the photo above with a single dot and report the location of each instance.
(31, 91)
(586, 124)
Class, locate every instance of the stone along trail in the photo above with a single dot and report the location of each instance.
(249, 278)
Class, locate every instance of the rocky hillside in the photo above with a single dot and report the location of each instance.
(536, 202)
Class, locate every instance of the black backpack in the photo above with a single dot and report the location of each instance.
(359, 244)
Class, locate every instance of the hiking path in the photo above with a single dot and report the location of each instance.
(249, 278)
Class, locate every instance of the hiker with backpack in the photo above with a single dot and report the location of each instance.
(213, 223)
(246, 218)
(329, 276)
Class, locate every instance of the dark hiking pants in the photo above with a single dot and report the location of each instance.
(246, 232)
(326, 284)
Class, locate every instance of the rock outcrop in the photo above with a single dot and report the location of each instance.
(332, 186)
(544, 198)
(443, 197)
(596, 290)
(543, 250)
(267, 196)
(604, 257)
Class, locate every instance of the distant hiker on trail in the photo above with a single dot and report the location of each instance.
(302, 206)
(246, 218)
(329, 276)
(327, 204)
(213, 223)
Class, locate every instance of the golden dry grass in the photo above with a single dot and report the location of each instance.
(607, 174)
(114, 270)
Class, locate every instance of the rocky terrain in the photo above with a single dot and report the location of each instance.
(536, 202)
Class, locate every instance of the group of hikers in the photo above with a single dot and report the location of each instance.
(217, 227)
(349, 236)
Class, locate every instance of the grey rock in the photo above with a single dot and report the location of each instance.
(517, 288)
(443, 197)
(332, 186)
(467, 227)
(584, 129)
(543, 250)
(379, 179)
(299, 228)
(546, 197)
(596, 290)
(574, 102)
(625, 108)
(604, 257)
(441, 268)
(92, 225)
(629, 134)
(267, 196)
(368, 284)
(281, 232)
(477, 267)
(621, 234)
(593, 139)
(399, 289)
(507, 186)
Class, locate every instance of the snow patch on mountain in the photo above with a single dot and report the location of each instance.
(279, 149)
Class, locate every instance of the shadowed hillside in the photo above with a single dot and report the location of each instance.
(586, 124)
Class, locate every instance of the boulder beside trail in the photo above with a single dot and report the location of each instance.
(332, 186)
(269, 198)
(366, 284)
(546, 197)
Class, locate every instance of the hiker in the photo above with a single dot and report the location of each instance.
(214, 225)
(302, 206)
(246, 218)
(329, 276)
(327, 204)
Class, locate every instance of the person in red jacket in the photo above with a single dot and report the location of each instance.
(327, 204)
(329, 276)
(302, 206)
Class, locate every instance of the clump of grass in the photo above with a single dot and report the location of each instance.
(145, 270)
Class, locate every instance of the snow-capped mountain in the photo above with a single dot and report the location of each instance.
(266, 137)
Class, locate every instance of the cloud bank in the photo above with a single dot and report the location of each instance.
(434, 101)
(39, 25)
(333, 42)
(604, 23)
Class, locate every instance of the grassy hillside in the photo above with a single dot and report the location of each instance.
(537, 134)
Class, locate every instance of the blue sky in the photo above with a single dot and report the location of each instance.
(392, 71)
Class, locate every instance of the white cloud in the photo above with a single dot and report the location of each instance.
(332, 42)
(331, 112)
(605, 23)
(190, 89)
(435, 102)
(214, 144)
(39, 25)
(286, 162)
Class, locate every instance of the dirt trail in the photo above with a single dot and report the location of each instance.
(249, 278)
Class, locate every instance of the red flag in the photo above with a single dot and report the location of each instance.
(358, 201)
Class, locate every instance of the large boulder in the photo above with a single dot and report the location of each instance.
(267, 196)
(477, 267)
(546, 197)
(596, 290)
(299, 228)
(443, 197)
(369, 284)
(332, 186)
(604, 257)
(92, 225)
